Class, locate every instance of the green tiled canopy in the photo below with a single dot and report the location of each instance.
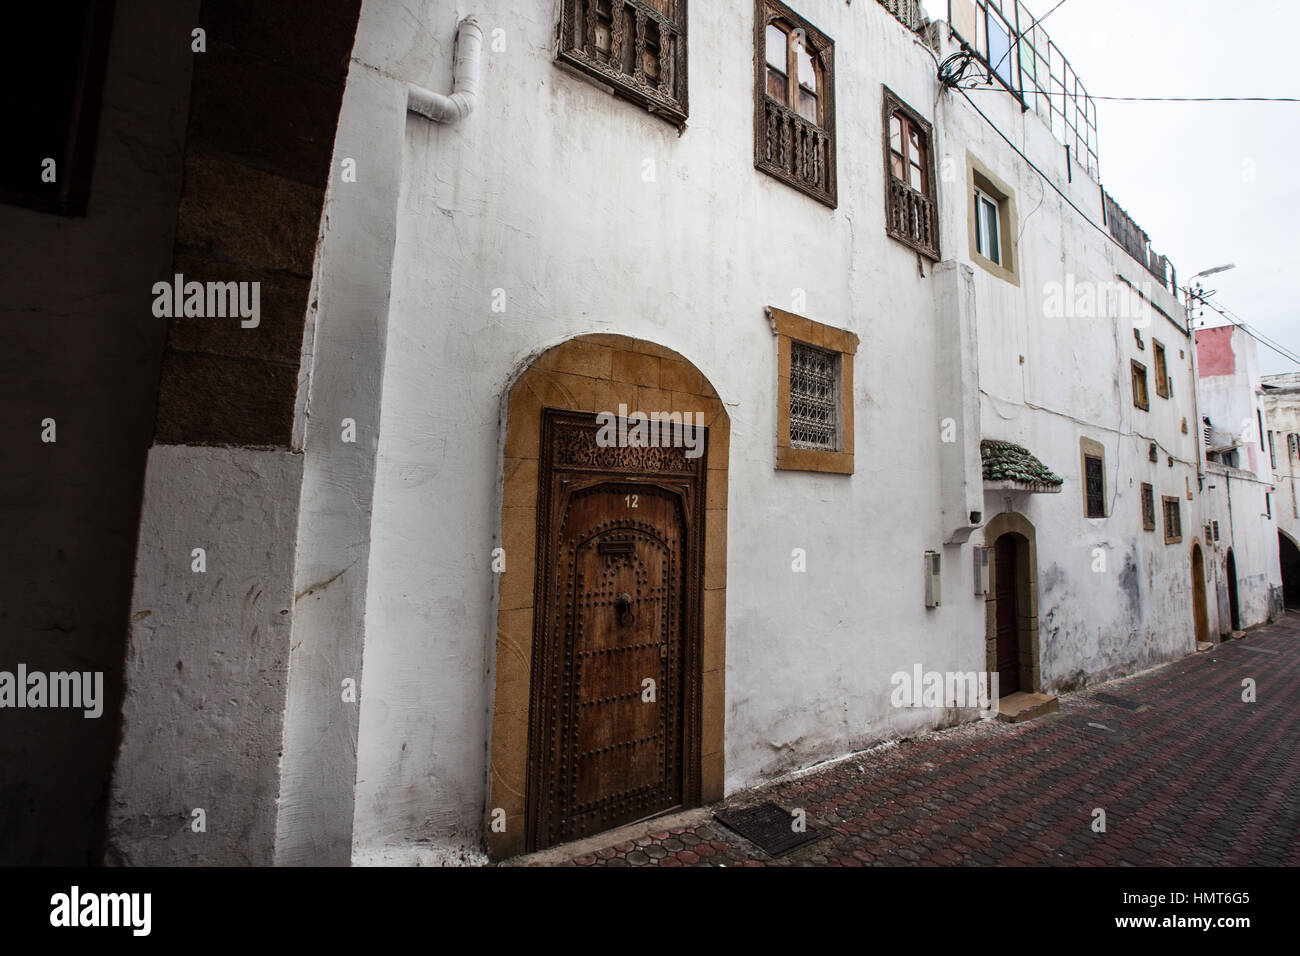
(1004, 461)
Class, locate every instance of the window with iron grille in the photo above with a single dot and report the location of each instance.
(1216, 530)
(1140, 397)
(1173, 520)
(1148, 508)
(1095, 481)
(911, 205)
(637, 47)
(794, 101)
(814, 397)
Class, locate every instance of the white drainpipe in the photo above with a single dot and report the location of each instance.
(457, 106)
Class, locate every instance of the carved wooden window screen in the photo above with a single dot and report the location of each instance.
(636, 46)
(794, 101)
(814, 397)
(1095, 480)
(911, 209)
(1148, 508)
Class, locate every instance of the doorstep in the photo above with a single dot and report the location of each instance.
(1019, 707)
(563, 852)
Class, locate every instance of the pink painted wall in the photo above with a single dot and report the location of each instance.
(1214, 352)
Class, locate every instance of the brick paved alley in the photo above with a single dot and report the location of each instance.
(1193, 777)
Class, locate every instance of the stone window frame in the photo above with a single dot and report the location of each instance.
(1148, 507)
(572, 52)
(1164, 514)
(1088, 448)
(894, 106)
(1141, 396)
(980, 176)
(788, 327)
(822, 49)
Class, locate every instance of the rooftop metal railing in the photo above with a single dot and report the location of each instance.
(1020, 56)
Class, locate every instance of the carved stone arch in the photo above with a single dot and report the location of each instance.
(1026, 538)
(593, 373)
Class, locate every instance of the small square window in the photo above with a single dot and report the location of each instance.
(991, 216)
(814, 395)
(1140, 398)
(1148, 508)
(1162, 371)
(1095, 486)
(1173, 520)
(988, 238)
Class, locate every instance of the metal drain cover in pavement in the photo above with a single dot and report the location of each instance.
(768, 827)
(1097, 727)
(1114, 701)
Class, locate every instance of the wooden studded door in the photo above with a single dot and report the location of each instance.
(614, 723)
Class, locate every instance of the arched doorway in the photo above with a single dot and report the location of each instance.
(614, 573)
(1011, 606)
(1199, 615)
(1233, 608)
(1289, 557)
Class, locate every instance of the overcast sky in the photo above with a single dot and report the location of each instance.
(1211, 183)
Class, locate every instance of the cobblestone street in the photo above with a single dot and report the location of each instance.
(1187, 773)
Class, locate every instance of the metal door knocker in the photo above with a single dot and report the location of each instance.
(623, 606)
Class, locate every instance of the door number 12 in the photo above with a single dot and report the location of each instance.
(631, 500)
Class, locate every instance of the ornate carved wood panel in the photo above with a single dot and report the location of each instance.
(614, 728)
(638, 47)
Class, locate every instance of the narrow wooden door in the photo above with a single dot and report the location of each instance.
(1234, 611)
(1008, 626)
(614, 730)
(1199, 618)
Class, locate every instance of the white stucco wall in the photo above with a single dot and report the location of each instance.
(1235, 498)
(1282, 418)
(209, 647)
(540, 193)
(1230, 396)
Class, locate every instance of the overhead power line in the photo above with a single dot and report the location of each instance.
(1280, 350)
(1197, 99)
(1259, 337)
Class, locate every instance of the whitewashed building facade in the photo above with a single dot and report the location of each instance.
(902, 356)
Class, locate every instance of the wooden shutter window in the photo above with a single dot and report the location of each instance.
(637, 47)
(911, 207)
(794, 101)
